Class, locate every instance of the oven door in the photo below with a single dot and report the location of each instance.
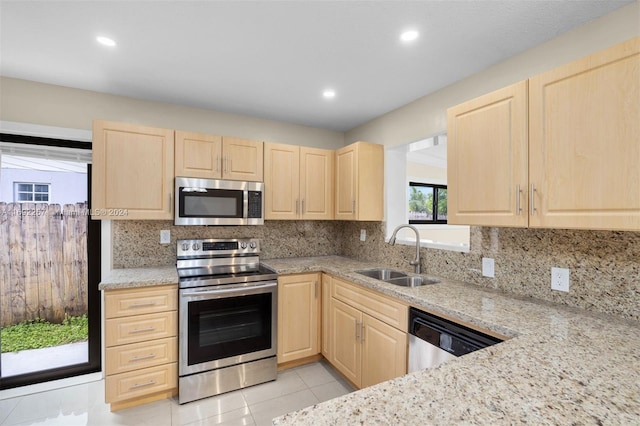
(227, 325)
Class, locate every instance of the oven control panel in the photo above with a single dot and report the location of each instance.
(217, 247)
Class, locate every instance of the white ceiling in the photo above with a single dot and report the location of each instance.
(273, 59)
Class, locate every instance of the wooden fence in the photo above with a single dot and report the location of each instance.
(43, 261)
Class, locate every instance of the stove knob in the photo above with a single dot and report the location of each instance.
(185, 246)
(243, 245)
(253, 244)
(196, 246)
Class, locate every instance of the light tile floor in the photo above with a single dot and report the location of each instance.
(84, 404)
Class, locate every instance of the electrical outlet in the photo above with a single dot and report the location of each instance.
(560, 279)
(488, 267)
(165, 236)
(363, 235)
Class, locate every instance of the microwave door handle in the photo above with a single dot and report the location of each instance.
(245, 204)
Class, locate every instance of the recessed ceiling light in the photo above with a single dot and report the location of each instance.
(106, 41)
(329, 94)
(409, 35)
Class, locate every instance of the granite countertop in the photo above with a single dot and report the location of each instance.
(560, 366)
(139, 277)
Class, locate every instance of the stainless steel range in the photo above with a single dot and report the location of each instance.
(228, 317)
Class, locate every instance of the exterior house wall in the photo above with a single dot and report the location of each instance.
(66, 187)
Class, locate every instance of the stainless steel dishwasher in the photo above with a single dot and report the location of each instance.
(434, 340)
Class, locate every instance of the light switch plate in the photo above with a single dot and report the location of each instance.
(165, 236)
(560, 279)
(488, 267)
(363, 234)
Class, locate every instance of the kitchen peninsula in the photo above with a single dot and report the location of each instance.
(561, 365)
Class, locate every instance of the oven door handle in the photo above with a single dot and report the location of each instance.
(227, 290)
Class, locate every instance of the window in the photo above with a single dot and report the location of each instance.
(427, 203)
(31, 192)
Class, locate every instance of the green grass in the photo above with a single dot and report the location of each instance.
(38, 333)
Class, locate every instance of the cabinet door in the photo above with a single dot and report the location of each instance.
(282, 184)
(198, 155)
(326, 318)
(346, 169)
(316, 184)
(345, 340)
(487, 159)
(242, 159)
(369, 181)
(384, 352)
(132, 171)
(298, 311)
(585, 142)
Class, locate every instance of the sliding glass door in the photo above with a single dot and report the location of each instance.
(49, 262)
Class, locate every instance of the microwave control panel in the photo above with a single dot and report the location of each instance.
(254, 204)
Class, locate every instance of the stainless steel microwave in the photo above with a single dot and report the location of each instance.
(218, 202)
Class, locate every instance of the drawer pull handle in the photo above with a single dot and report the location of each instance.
(141, 385)
(142, 305)
(141, 330)
(140, 358)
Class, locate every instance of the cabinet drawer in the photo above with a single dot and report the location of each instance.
(378, 306)
(138, 383)
(120, 331)
(122, 303)
(121, 359)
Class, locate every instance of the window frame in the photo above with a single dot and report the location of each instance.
(33, 192)
(436, 188)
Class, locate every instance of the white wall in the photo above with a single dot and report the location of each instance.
(425, 173)
(45, 104)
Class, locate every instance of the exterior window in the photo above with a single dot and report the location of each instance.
(427, 203)
(31, 192)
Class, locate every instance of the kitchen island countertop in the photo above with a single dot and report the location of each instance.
(560, 366)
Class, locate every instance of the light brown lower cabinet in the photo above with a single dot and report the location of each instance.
(298, 317)
(141, 356)
(364, 347)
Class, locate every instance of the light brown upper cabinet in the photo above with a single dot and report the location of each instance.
(132, 171)
(582, 169)
(487, 159)
(584, 142)
(205, 156)
(298, 182)
(360, 182)
(198, 155)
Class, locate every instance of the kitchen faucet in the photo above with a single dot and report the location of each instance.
(392, 241)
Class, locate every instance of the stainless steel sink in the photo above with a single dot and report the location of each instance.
(411, 281)
(396, 277)
(382, 273)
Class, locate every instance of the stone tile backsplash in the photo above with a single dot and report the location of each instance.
(604, 265)
(136, 244)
